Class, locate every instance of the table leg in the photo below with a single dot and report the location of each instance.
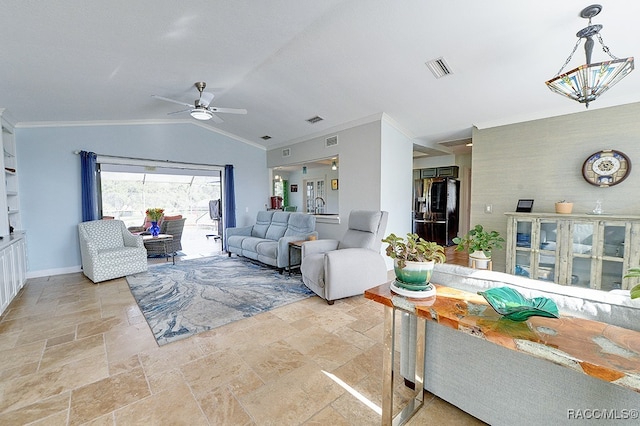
(387, 365)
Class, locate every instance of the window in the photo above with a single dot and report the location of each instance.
(126, 191)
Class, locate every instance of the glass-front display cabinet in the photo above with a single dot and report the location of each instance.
(591, 251)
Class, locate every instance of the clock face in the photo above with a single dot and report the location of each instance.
(606, 168)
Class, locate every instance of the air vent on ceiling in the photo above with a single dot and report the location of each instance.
(265, 137)
(331, 141)
(286, 152)
(439, 67)
(315, 119)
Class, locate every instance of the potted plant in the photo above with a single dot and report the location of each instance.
(479, 244)
(634, 273)
(413, 261)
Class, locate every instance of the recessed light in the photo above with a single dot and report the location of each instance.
(265, 137)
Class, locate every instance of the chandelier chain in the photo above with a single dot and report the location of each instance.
(569, 58)
(605, 49)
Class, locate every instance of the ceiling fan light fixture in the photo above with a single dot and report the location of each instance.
(201, 114)
(586, 82)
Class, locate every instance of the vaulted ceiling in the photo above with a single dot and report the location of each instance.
(289, 60)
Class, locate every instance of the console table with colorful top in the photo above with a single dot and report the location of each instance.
(597, 349)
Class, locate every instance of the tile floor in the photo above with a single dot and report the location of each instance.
(78, 353)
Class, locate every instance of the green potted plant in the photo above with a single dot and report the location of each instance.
(480, 245)
(413, 261)
(634, 273)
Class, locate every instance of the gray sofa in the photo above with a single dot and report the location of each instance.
(268, 240)
(505, 387)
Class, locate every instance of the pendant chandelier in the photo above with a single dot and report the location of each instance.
(587, 82)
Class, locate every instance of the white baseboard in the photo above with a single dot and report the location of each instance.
(57, 271)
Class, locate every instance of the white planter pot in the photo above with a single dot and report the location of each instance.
(478, 260)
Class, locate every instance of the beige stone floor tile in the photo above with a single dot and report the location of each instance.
(274, 360)
(106, 395)
(66, 353)
(98, 326)
(9, 340)
(19, 371)
(165, 381)
(57, 419)
(171, 407)
(328, 416)
(268, 329)
(331, 320)
(122, 365)
(357, 411)
(38, 335)
(245, 383)
(435, 410)
(56, 405)
(43, 384)
(359, 340)
(214, 370)
(221, 407)
(292, 312)
(170, 356)
(22, 354)
(62, 339)
(125, 341)
(326, 349)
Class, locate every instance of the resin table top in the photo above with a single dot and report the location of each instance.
(601, 350)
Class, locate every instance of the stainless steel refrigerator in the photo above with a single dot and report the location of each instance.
(436, 209)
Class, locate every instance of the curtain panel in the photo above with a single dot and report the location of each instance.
(89, 185)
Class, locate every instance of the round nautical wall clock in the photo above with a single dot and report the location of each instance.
(606, 168)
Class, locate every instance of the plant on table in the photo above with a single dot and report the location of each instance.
(414, 260)
(634, 273)
(477, 239)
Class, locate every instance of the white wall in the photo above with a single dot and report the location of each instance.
(358, 150)
(396, 181)
(543, 160)
(49, 176)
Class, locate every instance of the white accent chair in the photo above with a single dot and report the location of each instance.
(109, 250)
(336, 269)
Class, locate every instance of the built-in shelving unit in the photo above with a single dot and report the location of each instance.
(13, 253)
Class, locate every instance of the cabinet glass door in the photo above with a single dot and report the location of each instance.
(523, 251)
(548, 243)
(613, 252)
(582, 253)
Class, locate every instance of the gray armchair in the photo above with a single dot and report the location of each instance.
(109, 250)
(336, 269)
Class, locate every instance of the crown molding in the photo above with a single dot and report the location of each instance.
(41, 124)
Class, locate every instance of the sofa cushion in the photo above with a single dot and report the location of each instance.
(300, 224)
(278, 226)
(251, 244)
(263, 220)
(268, 249)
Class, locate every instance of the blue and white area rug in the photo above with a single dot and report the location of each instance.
(197, 295)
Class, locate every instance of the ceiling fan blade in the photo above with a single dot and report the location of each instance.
(228, 110)
(216, 119)
(179, 112)
(206, 98)
(171, 100)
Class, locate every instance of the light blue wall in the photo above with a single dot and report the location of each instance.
(49, 177)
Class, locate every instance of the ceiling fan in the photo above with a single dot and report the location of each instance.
(201, 109)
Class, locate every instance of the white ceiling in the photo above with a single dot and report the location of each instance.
(289, 60)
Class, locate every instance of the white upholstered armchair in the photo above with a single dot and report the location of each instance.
(109, 250)
(336, 269)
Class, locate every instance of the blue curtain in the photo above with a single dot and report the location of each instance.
(89, 188)
(229, 202)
